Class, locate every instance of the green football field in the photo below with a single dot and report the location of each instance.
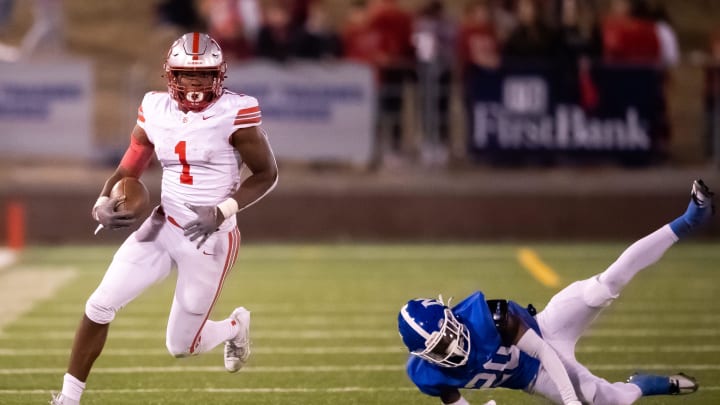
(324, 325)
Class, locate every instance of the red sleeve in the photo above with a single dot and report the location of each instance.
(136, 158)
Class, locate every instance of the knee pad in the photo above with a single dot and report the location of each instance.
(98, 312)
(597, 294)
(177, 351)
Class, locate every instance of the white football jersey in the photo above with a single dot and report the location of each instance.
(200, 166)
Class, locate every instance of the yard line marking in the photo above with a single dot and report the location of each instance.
(264, 321)
(277, 309)
(259, 390)
(15, 296)
(269, 390)
(209, 369)
(369, 334)
(310, 351)
(404, 252)
(542, 272)
(267, 322)
(269, 334)
(260, 350)
(324, 369)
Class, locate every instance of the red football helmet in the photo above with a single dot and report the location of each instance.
(195, 52)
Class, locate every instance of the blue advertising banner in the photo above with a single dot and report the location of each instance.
(46, 109)
(313, 112)
(537, 114)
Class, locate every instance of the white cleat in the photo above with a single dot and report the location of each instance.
(60, 399)
(237, 349)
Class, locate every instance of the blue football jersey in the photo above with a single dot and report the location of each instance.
(489, 365)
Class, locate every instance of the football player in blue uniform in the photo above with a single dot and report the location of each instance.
(483, 343)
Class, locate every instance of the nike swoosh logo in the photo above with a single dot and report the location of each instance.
(208, 117)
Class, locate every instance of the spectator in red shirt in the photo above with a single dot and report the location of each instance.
(359, 41)
(478, 43)
(394, 59)
(627, 38)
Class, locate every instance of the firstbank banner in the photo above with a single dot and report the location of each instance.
(46, 109)
(537, 112)
(312, 112)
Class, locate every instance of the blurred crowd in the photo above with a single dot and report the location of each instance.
(386, 33)
(432, 45)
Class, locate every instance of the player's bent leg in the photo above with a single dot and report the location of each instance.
(590, 388)
(677, 384)
(571, 311)
(189, 329)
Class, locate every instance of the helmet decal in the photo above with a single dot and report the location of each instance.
(410, 321)
(430, 331)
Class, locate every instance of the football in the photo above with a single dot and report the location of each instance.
(137, 196)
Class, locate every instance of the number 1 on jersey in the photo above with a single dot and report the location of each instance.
(185, 177)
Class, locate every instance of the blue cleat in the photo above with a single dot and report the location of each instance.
(699, 210)
(677, 384)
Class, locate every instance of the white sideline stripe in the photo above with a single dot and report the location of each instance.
(267, 321)
(327, 369)
(390, 310)
(415, 252)
(270, 390)
(306, 351)
(268, 309)
(284, 335)
(209, 369)
(20, 288)
(363, 334)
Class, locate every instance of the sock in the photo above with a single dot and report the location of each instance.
(693, 217)
(72, 387)
(638, 256)
(216, 332)
(651, 384)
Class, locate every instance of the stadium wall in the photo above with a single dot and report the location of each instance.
(505, 209)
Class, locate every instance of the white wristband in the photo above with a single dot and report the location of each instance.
(100, 201)
(228, 207)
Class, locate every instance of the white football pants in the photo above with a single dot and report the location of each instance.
(200, 275)
(571, 311)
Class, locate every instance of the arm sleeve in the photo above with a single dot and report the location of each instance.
(535, 346)
(136, 158)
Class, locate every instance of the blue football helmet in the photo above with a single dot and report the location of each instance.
(430, 331)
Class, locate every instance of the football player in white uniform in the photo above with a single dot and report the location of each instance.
(202, 134)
